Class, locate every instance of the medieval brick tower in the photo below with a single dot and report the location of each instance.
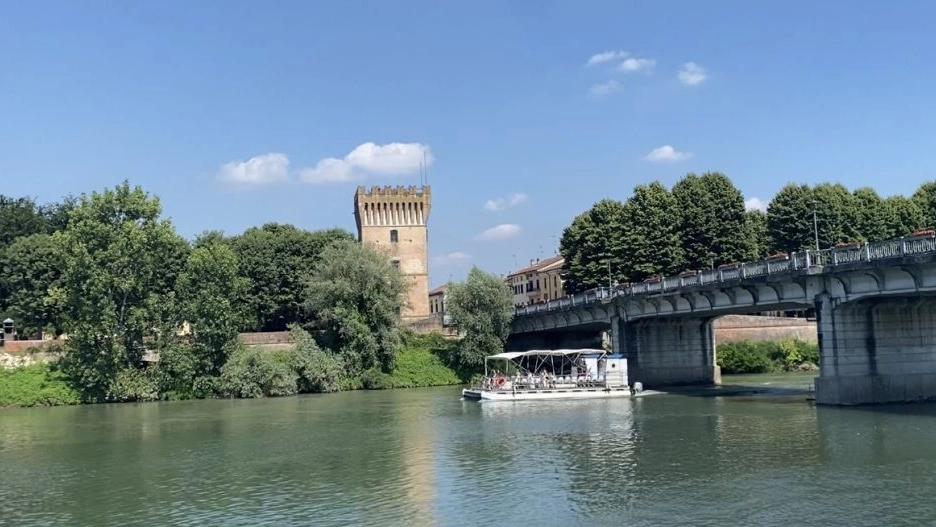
(394, 220)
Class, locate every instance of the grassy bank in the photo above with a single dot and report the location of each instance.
(423, 360)
(767, 356)
(36, 385)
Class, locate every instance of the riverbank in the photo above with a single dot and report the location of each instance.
(266, 371)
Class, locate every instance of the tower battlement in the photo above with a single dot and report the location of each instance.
(392, 206)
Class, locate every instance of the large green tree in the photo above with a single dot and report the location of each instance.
(651, 233)
(904, 216)
(871, 217)
(837, 214)
(275, 259)
(356, 296)
(711, 214)
(790, 219)
(207, 291)
(481, 308)
(756, 235)
(19, 217)
(594, 239)
(120, 262)
(29, 267)
(925, 197)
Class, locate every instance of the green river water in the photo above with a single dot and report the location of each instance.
(424, 457)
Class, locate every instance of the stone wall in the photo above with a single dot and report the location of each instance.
(266, 338)
(733, 328)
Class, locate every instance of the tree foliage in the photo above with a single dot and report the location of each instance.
(481, 309)
(275, 259)
(20, 217)
(904, 216)
(790, 219)
(29, 268)
(711, 214)
(119, 265)
(756, 235)
(593, 240)
(651, 233)
(356, 297)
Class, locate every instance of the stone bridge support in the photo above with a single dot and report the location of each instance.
(876, 350)
(668, 351)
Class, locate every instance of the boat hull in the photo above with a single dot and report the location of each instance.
(550, 393)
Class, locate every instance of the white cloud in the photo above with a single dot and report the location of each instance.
(755, 204)
(692, 74)
(667, 154)
(634, 65)
(503, 203)
(369, 159)
(258, 170)
(606, 56)
(603, 88)
(451, 258)
(500, 232)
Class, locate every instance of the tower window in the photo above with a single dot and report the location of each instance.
(394, 236)
(395, 263)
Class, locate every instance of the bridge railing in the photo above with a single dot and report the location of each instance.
(841, 255)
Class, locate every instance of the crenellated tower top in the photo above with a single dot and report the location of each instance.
(392, 206)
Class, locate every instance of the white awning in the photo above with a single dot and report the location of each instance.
(562, 352)
(506, 355)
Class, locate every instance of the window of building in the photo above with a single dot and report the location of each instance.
(394, 236)
(395, 263)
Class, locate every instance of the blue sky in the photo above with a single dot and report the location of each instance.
(306, 100)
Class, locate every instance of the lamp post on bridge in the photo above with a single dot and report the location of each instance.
(815, 222)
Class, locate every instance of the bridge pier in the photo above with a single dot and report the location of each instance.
(668, 351)
(876, 350)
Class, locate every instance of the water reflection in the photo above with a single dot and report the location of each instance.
(423, 457)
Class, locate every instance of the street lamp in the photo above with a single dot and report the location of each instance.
(815, 222)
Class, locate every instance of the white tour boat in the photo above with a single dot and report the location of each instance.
(553, 374)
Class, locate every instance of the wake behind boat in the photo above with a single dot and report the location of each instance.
(552, 374)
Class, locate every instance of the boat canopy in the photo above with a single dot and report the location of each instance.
(509, 355)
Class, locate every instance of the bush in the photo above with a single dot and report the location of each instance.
(418, 367)
(36, 385)
(766, 356)
(318, 370)
(251, 373)
(131, 384)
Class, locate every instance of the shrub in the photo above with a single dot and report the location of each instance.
(766, 356)
(132, 384)
(418, 367)
(318, 370)
(35, 385)
(250, 373)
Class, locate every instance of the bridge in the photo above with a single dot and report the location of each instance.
(875, 308)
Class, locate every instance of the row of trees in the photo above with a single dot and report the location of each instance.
(120, 281)
(702, 223)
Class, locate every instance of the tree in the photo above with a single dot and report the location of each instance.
(207, 290)
(756, 235)
(925, 197)
(790, 219)
(355, 295)
(904, 216)
(56, 214)
(119, 267)
(19, 217)
(275, 259)
(29, 267)
(651, 237)
(590, 242)
(871, 217)
(711, 214)
(481, 308)
(836, 214)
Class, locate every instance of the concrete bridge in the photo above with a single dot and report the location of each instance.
(875, 307)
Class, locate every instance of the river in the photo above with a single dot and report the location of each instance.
(424, 457)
